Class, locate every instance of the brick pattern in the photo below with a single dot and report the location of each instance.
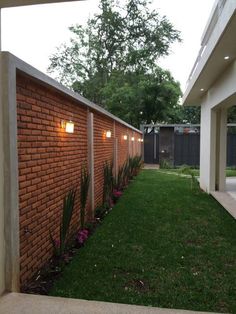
(50, 162)
(49, 165)
(123, 144)
(103, 151)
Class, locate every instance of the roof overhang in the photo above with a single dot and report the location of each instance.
(211, 62)
(15, 3)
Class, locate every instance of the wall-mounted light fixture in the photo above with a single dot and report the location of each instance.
(141, 140)
(132, 138)
(125, 137)
(68, 126)
(108, 133)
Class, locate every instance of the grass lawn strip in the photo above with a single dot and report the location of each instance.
(162, 245)
(229, 172)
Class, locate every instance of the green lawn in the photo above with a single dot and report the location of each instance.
(229, 172)
(162, 245)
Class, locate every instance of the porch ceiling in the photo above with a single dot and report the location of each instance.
(14, 3)
(212, 63)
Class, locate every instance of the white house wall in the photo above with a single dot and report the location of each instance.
(2, 239)
(210, 64)
(223, 92)
(214, 106)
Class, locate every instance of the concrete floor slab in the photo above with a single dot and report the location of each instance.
(228, 198)
(17, 303)
(227, 201)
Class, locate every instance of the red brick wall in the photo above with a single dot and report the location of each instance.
(50, 162)
(103, 151)
(123, 144)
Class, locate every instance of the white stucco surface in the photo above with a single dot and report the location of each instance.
(212, 85)
(2, 244)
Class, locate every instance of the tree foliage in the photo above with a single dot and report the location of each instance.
(113, 61)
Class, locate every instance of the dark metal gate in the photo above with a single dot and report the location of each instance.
(231, 150)
(182, 149)
(187, 149)
(151, 148)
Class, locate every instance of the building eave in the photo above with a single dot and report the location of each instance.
(15, 3)
(210, 63)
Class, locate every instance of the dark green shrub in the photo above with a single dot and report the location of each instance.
(164, 164)
(189, 171)
(68, 207)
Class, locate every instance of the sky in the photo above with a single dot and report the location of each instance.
(32, 33)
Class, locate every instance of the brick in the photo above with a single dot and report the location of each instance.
(50, 162)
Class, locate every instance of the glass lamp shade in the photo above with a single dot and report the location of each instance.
(70, 127)
(108, 134)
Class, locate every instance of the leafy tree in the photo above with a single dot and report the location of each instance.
(113, 61)
(232, 115)
(183, 114)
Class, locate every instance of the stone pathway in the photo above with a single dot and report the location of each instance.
(151, 166)
(17, 303)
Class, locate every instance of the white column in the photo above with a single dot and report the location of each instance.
(2, 238)
(208, 149)
(221, 149)
(0, 30)
(91, 161)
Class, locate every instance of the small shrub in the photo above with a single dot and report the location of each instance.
(120, 178)
(126, 173)
(164, 164)
(189, 171)
(100, 212)
(68, 207)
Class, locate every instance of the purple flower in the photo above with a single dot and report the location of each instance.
(82, 236)
(57, 243)
(117, 193)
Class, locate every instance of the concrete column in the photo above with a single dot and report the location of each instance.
(132, 145)
(91, 161)
(115, 151)
(10, 175)
(128, 145)
(2, 237)
(11, 190)
(0, 30)
(221, 149)
(208, 149)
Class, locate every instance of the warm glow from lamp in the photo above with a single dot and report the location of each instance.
(132, 139)
(108, 134)
(69, 127)
(125, 137)
(141, 140)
